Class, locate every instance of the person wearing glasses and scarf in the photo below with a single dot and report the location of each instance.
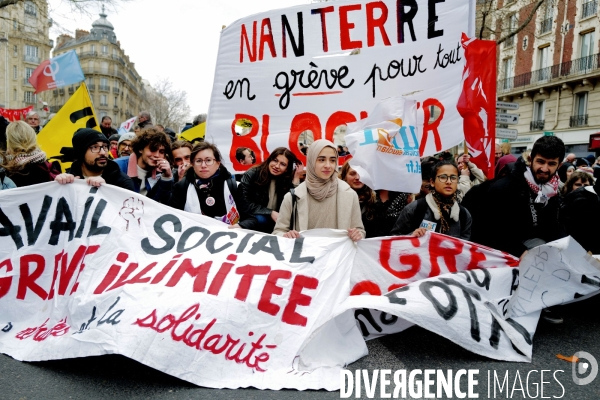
(440, 210)
(322, 200)
(208, 188)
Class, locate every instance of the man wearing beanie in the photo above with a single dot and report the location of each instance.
(90, 148)
(124, 144)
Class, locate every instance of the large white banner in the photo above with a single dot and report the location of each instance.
(87, 271)
(318, 66)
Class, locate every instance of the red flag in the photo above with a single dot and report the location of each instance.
(477, 102)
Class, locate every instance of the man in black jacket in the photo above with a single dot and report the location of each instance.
(523, 206)
(91, 162)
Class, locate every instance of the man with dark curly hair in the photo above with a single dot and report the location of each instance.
(148, 166)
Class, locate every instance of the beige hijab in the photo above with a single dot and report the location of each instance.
(320, 189)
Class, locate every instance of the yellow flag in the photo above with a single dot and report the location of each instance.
(197, 132)
(77, 113)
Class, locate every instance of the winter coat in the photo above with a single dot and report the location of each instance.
(508, 222)
(348, 210)
(34, 173)
(466, 182)
(580, 217)
(111, 174)
(218, 209)
(425, 209)
(256, 197)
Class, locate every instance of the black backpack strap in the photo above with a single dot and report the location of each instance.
(294, 207)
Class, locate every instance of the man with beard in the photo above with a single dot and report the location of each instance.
(91, 162)
(106, 127)
(124, 144)
(528, 202)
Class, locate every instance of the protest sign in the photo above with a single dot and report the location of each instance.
(126, 126)
(86, 271)
(78, 112)
(385, 147)
(319, 66)
(15, 114)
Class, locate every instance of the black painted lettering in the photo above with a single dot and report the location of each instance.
(168, 239)
(57, 226)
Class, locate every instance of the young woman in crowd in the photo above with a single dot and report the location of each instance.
(576, 180)
(469, 175)
(370, 208)
(564, 172)
(24, 162)
(263, 186)
(322, 200)
(208, 188)
(440, 210)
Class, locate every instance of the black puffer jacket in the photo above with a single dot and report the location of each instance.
(112, 175)
(580, 217)
(509, 220)
(219, 208)
(256, 197)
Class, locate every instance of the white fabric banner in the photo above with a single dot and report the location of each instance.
(315, 67)
(385, 147)
(87, 271)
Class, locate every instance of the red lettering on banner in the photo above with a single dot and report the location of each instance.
(412, 260)
(336, 119)
(41, 333)
(436, 250)
(6, 281)
(265, 305)
(200, 273)
(297, 298)
(244, 40)
(365, 287)
(248, 272)
(346, 27)
(217, 282)
(195, 338)
(303, 122)
(244, 141)
(378, 23)
(27, 280)
(266, 38)
(111, 274)
(431, 126)
(476, 258)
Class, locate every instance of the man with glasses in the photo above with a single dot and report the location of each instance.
(90, 148)
(124, 144)
(148, 165)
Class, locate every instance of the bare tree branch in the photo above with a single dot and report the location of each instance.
(524, 24)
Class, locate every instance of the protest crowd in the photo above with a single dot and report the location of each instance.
(536, 198)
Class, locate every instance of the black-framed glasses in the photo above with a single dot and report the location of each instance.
(208, 161)
(96, 149)
(445, 178)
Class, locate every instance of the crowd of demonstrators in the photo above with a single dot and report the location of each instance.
(263, 187)
(469, 175)
(90, 149)
(576, 180)
(322, 200)
(440, 210)
(208, 188)
(106, 127)
(148, 166)
(25, 163)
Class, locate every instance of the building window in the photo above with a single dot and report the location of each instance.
(81, 50)
(543, 70)
(29, 97)
(28, 72)
(103, 100)
(537, 121)
(104, 67)
(103, 114)
(31, 51)
(507, 81)
(15, 72)
(589, 8)
(15, 94)
(116, 101)
(511, 27)
(579, 117)
(15, 50)
(93, 48)
(14, 23)
(30, 9)
(546, 23)
(115, 52)
(104, 49)
(586, 51)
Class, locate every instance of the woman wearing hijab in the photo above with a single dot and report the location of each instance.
(439, 211)
(322, 200)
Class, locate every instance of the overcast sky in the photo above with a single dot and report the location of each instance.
(176, 39)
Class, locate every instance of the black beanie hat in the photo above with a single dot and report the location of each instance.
(84, 138)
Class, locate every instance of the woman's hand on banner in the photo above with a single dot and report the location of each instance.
(291, 234)
(355, 234)
(419, 232)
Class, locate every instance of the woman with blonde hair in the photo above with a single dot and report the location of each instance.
(24, 161)
(322, 200)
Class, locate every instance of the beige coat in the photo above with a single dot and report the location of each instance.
(348, 210)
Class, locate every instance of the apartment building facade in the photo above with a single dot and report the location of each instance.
(115, 87)
(24, 44)
(551, 69)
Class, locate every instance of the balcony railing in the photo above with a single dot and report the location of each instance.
(578, 120)
(104, 88)
(71, 90)
(61, 91)
(546, 25)
(580, 66)
(31, 59)
(536, 125)
(91, 86)
(86, 54)
(589, 8)
(116, 90)
(54, 109)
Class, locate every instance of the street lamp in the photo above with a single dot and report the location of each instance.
(6, 98)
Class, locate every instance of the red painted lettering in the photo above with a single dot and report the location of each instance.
(6, 281)
(244, 40)
(266, 38)
(27, 279)
(437, 250)
(271, 289)
(248, 272)
(200, 273)
(346, 26)
(217, 282)
(431, 126)
(378, 23)
(297, 298)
